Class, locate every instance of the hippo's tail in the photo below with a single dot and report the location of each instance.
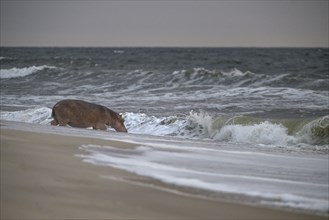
(53, 112)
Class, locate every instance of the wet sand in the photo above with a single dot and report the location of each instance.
(41, 178)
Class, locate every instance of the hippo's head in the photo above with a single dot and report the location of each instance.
(118, 124)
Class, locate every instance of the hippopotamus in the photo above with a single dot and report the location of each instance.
(82, 114)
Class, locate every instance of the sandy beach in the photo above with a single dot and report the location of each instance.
(41, 178)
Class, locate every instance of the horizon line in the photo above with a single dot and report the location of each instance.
(163, 46)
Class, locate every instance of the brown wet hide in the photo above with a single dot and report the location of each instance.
(81, 114)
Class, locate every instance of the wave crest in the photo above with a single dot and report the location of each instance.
(316, 131)
(22, 72)
(201, 125)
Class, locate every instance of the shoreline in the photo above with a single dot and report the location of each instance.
(42, 178)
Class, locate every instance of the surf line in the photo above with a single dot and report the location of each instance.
(227, 199)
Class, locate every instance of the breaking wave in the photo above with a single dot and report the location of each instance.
(201, 125)
(22, 72)
(34, 115)
(241, 129)
(4, 58)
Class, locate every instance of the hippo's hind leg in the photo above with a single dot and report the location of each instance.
(100, 127)
(54, 122)
(62, 122)
(58, 120)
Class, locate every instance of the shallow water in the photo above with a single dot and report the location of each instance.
(252, 174)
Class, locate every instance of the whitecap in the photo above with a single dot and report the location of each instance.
(35, 115)
(22, 72)
(262, 133)
(273, 179)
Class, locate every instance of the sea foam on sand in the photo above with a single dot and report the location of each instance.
(296, 181)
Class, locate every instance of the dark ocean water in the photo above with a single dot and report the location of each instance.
(190, 92)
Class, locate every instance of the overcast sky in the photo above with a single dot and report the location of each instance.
(165, 23)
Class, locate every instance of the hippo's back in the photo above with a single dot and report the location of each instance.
(74, 103)
(78, 113)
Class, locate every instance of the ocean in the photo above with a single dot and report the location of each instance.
(261, 101)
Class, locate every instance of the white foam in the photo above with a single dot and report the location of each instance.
(263, 133)
(36, 115)
(201, 125)
(294, 201)
(196, 125)
(144, 124)
(237, 73)
(272, 179)
(21, 72)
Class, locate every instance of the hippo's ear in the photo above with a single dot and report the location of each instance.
(120, 116)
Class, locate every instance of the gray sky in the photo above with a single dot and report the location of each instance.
(164, 23)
